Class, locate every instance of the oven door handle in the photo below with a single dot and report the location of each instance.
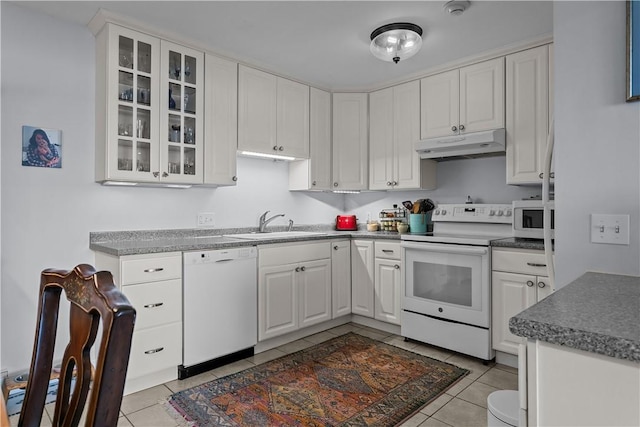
(452, 249)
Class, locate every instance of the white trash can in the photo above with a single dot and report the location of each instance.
(503, 408)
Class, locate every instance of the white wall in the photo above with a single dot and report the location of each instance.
(597, 150)
(483, 179)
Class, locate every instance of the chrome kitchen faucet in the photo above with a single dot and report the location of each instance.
(264, 221)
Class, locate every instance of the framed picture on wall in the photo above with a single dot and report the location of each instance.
(633, 50)
(41, 147)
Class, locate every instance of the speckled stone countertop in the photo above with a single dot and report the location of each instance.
(599, 313)
(516, 242)
(121, 243)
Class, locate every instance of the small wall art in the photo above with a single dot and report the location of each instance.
(41, 147)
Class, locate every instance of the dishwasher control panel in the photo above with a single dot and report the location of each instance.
(219, 255)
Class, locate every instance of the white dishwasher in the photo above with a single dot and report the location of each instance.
(220, 308)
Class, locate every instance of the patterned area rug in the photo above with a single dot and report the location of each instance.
(350, 380)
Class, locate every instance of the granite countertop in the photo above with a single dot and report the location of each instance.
(598, 313)
(121, 243)
(516, 242)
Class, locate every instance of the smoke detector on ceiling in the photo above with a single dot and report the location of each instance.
(456, 7)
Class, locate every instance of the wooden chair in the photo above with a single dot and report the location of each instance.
(94, 300)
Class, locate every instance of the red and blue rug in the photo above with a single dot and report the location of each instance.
(350, 380)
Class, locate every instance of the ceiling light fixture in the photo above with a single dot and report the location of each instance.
(456, 7)
(393, 42)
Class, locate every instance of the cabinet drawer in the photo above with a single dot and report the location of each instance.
(156, 303)
(389, 250)
(291, 253)
(150, 269)
(520, 261)
(155, 349)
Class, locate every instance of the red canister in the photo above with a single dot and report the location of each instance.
(346, 222)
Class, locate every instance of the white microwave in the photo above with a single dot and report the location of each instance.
(527, 219)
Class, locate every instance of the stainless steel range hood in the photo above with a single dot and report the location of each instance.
(470, 144)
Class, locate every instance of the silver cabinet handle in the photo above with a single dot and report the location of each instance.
(297, 269)
(388, 183)
(541, 285)
(535, 264)
(275, 148)
(335, 248)
(335, 184)
(281, 148)
(529, 283)
(164, 174)
(302, 268)
(461, 127)
(155, 174)
(313, 183)
(153, 270)
(394, 183)
(155, 350)
(397, 267)
(387, 251)
(235, 178)
(453, 128)
(157, 304)
(552, 175)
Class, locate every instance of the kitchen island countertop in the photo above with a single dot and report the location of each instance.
(598, 313)
(120, 243)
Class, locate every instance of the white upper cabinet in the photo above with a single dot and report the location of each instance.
(144, 133)
(181, 124)
(528, 114)
(350, 141)
(293, 118)
(273, 114)
(221, 124)
(315, 172)
(469, 99)
(394, 127)
(256, 111)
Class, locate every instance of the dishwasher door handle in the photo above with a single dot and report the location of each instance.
(225, 260)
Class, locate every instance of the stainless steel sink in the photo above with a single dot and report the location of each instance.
(274, 235)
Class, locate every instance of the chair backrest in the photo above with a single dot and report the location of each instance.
(94, 300)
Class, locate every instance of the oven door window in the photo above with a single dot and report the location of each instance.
(448, 281)
(451, 284)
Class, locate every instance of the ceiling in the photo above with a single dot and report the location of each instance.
(326, 43)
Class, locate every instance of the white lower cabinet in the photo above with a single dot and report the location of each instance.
(518, 281)
(362, 270)
(376, 289)
(388, 287)
(294, 287)
(153, 285)
(340, 278)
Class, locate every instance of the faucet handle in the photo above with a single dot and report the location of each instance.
(290, 225)
(264, 215)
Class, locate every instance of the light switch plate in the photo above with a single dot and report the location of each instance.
(206, 219)
(612, 229)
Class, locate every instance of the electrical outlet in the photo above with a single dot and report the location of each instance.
(206, 219)
(612, 229)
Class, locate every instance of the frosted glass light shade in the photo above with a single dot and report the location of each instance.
(393, 42)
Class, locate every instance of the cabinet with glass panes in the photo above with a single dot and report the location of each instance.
(149, 109)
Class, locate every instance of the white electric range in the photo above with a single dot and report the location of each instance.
(447, 298)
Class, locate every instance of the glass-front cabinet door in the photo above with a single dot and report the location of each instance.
(132, 102)
(181, 127)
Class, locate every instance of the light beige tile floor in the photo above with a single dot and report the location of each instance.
(463, 405)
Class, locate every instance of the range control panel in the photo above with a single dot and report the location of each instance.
(487, 213)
